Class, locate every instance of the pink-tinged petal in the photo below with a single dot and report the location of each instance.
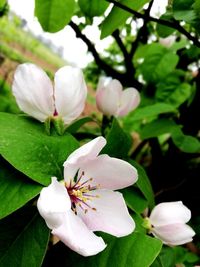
(111, 214)
(109, 173)
(174, 234)
(169, 213)
(81, 155)
(75, 234)
(108, 96)
(70, 93)
(53, 202)
(33, 91)
(129, 101)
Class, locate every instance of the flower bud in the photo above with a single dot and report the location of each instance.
(111, 100)
(168, 223)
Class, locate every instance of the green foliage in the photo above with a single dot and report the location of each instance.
(120, 148)
(144, 184)
(118, 17)
(134, 250)
(25, 145)
(23, 239)
(157, 63)
(8, 103)
(53, 15)
(187, 11)
(75, 126)
(170, 257)
(93, 7)
(15, 189)
(134, 199)
(172, 90)
(185, 143)
(157, 128)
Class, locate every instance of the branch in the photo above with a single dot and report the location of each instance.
(124, 78)
(127, 60)
(142, 32)
(167, 23)
(108, 69)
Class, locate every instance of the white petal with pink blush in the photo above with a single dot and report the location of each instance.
(168, 223)
(111, 100)
(94, 206)
(36, 96)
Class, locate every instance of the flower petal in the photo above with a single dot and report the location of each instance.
(81, 155)
(129, 101)
(70, 93)
(33, 91)
(174, 234)
(111, 214)
(108, 96)
(109, 173)
(75, 234)
(169, 213)
(53, 202)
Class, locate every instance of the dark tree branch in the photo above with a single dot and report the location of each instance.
(142, 33)
(127, 60)
(125, 78)
(172, 24)
(108, 69)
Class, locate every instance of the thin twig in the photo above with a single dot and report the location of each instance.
(172, 24)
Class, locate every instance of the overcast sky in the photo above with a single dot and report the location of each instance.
(75, 51)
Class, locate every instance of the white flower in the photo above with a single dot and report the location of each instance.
(111, 100)
(76, 208)
(36, 96)
(168, 223)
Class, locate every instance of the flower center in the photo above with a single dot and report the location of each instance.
(81, 192)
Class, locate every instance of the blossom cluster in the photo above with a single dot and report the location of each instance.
(86, 200)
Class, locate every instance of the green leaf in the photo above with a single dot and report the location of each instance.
(144, 184)
(54, 15)
(93, 7)
(2, 3)
(183, 10)
(15, 189)
(185, 143)
(120, 148)
(118, 17)
(173, 91)
(158, 64)
(136, 250)
(134, 199)
(74, 127)
(23, 239)
(156, 128)
(24, 144)
(149, 111)
(187, 11)
(164, 31)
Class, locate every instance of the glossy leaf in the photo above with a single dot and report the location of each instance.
(93, 7)
(23, 239)
(54, 15)
(15, 189)
(156, 128)
(26, 146)
(75, 126)
(185, 143)
(136, 250)
(144, 184)
(120, 148)
(134, 199)
(118, 17)
(149, 111)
